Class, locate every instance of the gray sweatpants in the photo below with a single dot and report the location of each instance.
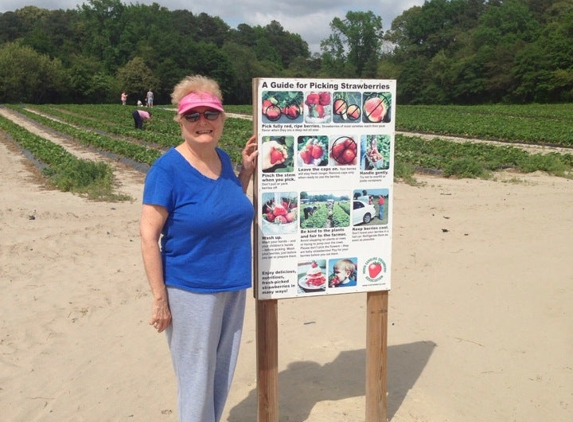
(204, 340)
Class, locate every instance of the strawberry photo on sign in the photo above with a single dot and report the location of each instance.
(277, 154)
(377, 107)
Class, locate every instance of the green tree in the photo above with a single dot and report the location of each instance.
(356, 41)
(11, 27)
(102, 25)
(288, 46)
(136, 78)
(245, 68)
(26, 76)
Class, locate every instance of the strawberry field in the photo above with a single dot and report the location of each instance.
(545, 124)
(108, 130)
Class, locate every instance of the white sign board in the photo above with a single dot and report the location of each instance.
(324, 186)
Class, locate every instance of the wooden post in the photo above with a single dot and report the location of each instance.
(267, 360)
(376, 356)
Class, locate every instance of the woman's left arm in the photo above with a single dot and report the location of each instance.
(249, 155)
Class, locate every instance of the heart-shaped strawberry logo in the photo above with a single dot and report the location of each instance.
(374, 269)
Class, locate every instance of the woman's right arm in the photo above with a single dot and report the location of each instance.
(153, 219)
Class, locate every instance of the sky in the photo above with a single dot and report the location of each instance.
(310, 19)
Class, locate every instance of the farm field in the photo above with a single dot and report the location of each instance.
(479, 307)
(520, 138)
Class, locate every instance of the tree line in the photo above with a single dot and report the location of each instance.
(443, 52)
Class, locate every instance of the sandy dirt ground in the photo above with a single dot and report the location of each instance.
(480, 322)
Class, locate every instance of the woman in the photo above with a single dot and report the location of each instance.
(195, 205)
(139, 116)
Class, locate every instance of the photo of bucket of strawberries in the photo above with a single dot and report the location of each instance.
(343, 151)
(376, 107)
(375, 152)
(279, 213)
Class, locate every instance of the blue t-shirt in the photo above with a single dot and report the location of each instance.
(206, 242)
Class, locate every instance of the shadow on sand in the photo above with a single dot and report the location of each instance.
(305, 383)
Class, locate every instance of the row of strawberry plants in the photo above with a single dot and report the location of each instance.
(65, 171)
(504, 123)
(235, 133)
(108, 122)
(162, 131)
(139, 153)
(449, 157)
(470, 159)
(529, 111)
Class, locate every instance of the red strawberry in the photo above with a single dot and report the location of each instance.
(306, 156)
(324, 98)
(312, 98)
(272, 112)
(338, 150)
(276, 156)
(316, 151)
(348, 156)
(350, 144)
(279, 210)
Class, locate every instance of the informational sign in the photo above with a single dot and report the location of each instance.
(324, 186)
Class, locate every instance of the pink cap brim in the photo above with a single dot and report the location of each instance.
(199, 99)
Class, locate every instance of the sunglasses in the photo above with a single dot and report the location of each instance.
(208, 115)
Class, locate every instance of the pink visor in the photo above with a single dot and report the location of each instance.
(199, 99)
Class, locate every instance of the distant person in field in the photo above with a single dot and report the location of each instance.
(139, 103)
(123, 98)
(140, 116)
(149, 98)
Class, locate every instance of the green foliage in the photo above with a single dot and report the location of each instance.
(108, 129)
(471, 159)
(475, 52)
(340, 216)
(465, 167)
(443, 52)
(64, 170)
(137, 78)
(106, 46)
(532, 123)
(356, 41)
(26, 74)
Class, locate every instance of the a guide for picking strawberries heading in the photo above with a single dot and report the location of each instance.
(323, 189)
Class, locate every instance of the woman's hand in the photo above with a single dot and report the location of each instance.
(160, 315)
(249, 155)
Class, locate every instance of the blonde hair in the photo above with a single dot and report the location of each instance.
(345, 265)
(195, 83)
